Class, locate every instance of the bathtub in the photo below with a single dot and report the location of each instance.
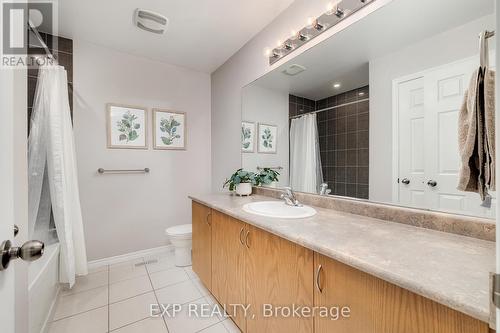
(43, 288)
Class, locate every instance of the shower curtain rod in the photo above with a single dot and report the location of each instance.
(331, 108)
(32, 28)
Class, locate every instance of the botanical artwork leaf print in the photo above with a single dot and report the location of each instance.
(246, 135)
(169, 128)
(128, 127)
(267, 138)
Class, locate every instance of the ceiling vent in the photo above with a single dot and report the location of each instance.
(150, 21)
(294, 70)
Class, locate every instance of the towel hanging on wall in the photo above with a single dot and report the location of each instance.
(476, 129)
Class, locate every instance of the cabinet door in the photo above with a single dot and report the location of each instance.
(228, 265)
(377, 306)
(280, 274)
(202, 243)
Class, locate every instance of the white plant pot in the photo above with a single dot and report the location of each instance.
(271, 184)
(244, 189)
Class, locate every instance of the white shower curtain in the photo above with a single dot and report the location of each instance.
(51, 152)
(306, 174)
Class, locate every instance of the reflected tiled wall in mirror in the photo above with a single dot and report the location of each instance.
(344, 139)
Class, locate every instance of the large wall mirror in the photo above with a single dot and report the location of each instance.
(372, 112)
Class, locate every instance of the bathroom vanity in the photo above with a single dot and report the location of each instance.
(393, 277)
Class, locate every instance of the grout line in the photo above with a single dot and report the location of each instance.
(217, 323)
(156, 296)
(126, 299)
(77, 314)
(109, 287)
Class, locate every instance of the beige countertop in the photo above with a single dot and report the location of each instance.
(450, 269)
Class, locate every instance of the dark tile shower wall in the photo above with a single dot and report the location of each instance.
(62, 49)
(344, 138)
(300, 105)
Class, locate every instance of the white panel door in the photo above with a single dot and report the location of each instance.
(411, 143)
(443, 98)
(7, 281)
(434, 121)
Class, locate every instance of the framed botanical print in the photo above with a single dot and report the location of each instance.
(126, 127)
(247, 137)
(169, 129)
(267, 138)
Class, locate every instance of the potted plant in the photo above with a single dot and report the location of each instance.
(268, 177)
(242, 181)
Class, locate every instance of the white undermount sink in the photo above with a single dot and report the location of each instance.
(279, 209)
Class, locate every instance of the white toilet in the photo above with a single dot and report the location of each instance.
(181, 238)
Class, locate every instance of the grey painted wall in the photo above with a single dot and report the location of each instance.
(126, 213)
(248, 64)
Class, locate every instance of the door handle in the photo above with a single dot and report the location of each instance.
(246, 239)
(30, 251)
(16, 230)
(207, 218)
(432, 183)
(405, 181)
(318, 272)
(241, 234)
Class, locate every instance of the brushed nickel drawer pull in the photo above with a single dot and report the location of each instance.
(246, 239)
(318, 272)
(241, 234)
(207, 218)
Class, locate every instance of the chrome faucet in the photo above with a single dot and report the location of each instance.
(324, 190)
(289, 197)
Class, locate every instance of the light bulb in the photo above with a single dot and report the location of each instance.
(310, 22)
(329, 8)
(279, 43)
(336, 85)
(293, 34)
(267, 52)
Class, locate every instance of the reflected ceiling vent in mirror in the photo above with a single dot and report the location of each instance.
(294, 69)
(150, 21)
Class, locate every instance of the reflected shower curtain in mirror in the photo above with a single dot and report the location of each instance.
(305, 162)
(51, 152)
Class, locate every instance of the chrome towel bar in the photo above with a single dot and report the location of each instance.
(102, 171)
(272, 168)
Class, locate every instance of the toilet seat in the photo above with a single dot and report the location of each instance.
(180, 231)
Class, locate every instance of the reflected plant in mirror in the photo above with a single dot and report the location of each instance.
(364, 115)
(241, 182)
(268, 177)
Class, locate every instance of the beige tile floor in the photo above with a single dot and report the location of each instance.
(117, 298)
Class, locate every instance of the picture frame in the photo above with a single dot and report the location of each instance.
(169, 129)
(267, 139)
(126, 126)
(247, 137)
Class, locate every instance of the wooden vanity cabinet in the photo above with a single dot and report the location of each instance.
(242, 264)
(278, 272)
(202, 243)
(228, 265)
(377, 306)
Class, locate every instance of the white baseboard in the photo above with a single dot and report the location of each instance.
(129, 256)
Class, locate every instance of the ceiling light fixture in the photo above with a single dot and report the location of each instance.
(333, 15)
(336, 85)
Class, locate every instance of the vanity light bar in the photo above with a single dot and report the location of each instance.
(331, 17)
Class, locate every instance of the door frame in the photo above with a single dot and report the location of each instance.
(395, 116)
